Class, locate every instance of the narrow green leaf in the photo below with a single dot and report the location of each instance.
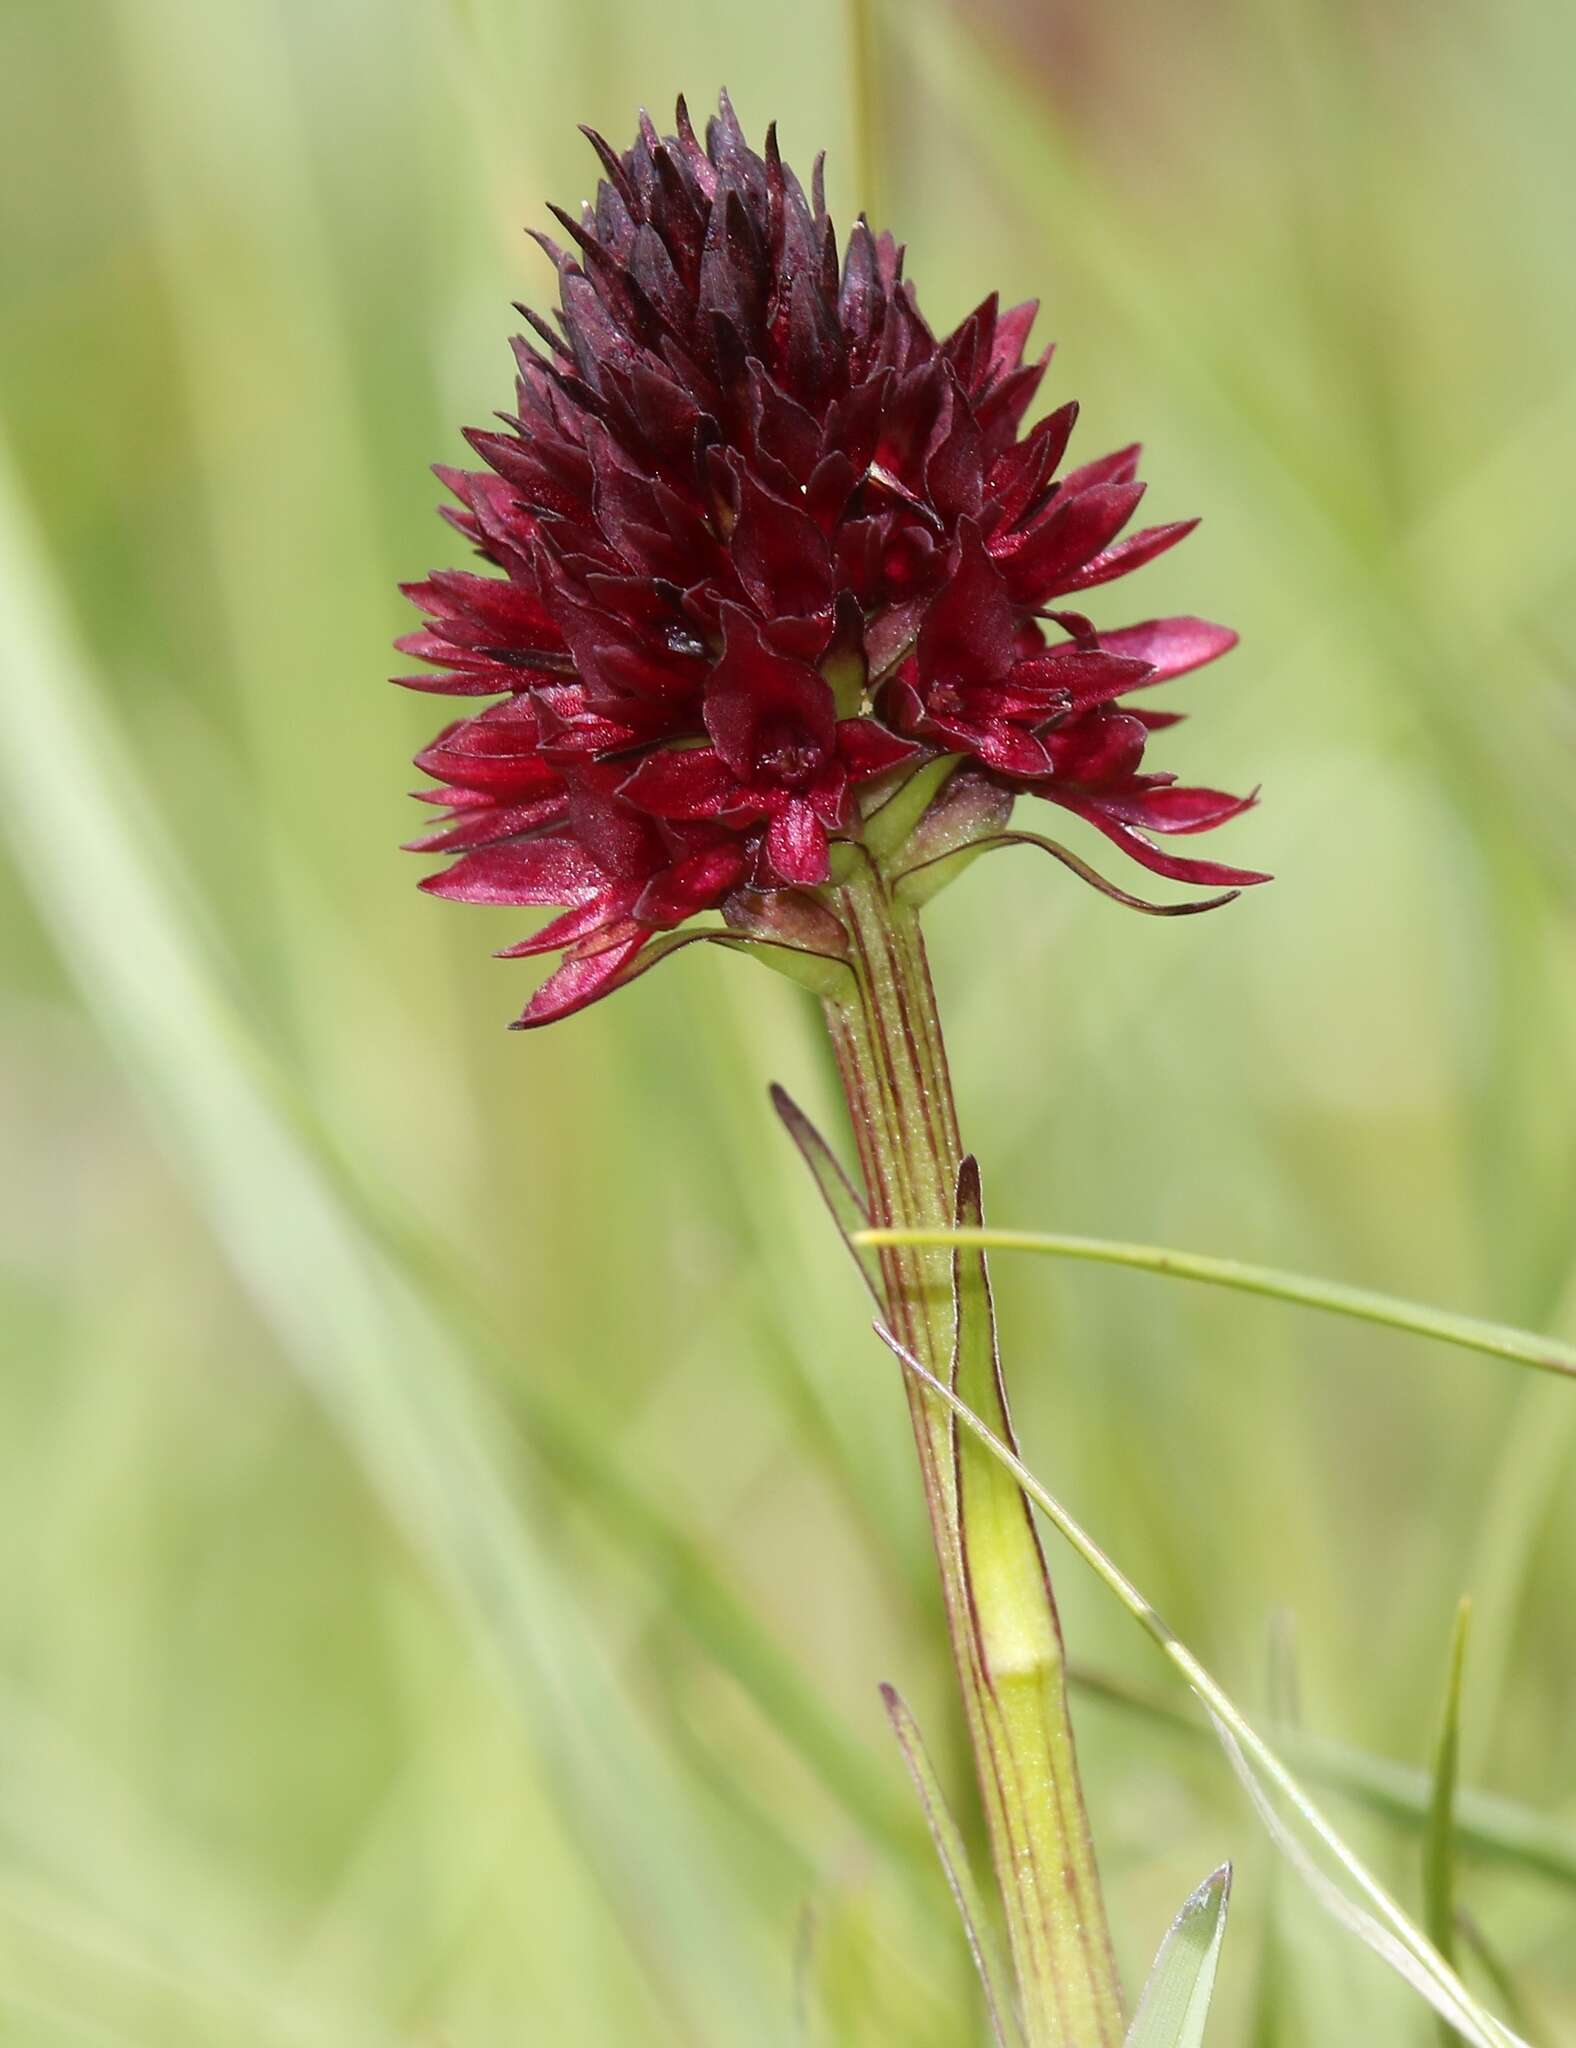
(1487, 1825)
(1277, 2007)
(954, 1862)
(837, 1190)
(1499, 1340)
(1439, 1843)
(1381, 1923)
(1018, 1647)
(1175, 2005)
(1003, 1563)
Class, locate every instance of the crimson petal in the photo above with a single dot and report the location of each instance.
(533, 871)
(1171, 647)
(697, 883)
(610, 907)
(866, 749)
(681, 782)
(796, 845)
(1052, 556)
(1176, 868)
(1127, 555)
(578, 983)
(1180, 809)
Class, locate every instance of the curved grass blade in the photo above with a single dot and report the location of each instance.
(1386, 1927)
(1488, 1826)
(954, 1862)
(1498, 1340)
(1277, 2002)
(1409, 1953)
(1175, 2005)
(1439, 1843)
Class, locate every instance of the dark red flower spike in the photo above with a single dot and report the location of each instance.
(762, 546)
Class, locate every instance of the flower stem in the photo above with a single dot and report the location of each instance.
(1001, 1617)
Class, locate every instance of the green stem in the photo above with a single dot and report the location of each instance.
(1010, 1661)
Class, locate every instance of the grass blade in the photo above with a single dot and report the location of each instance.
(1175, 2006)
(1439, 1843)
(1387, 1927)
(1498, 1340)
(1490, 1827)
(954, 1862)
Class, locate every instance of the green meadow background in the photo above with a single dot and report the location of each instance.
(454, 1515)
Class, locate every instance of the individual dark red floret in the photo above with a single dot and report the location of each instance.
(761, 546)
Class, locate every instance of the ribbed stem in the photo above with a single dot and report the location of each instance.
(894, 1070)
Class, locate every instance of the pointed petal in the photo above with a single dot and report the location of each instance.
(779, 552)
(1172, 647)
(755, 692)
(535, 871)
(1119, 467)
(578, 983)
(1207, 873)
(484, 826)
(697, 883)
(796, 845)
(681, 782)
(1128, 555)
(867, 749)
(575, 926)
(1088, 675)
(1053, 555)
(968, 634)
(1179, 809)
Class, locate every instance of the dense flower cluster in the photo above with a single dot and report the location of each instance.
(767, 545)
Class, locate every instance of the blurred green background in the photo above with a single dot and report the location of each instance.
(454, 1515)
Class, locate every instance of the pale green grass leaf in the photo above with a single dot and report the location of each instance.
(1174, 2008)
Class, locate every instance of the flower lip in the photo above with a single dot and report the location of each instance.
(757, 536)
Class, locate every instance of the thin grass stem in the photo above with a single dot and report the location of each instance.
(1497, 1340)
